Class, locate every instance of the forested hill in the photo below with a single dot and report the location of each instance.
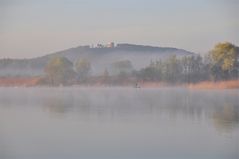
(101, 57)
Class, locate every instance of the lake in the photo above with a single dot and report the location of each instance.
(118, 123)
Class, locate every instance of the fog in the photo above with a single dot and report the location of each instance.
(100, 58)
(161, 22)
(118, 123)
(168, 89)
(139, 60)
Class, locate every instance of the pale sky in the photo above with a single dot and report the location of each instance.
(31, 28)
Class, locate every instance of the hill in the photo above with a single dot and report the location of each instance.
(101, 57)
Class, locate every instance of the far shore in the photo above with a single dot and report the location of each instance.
(36, 82)
(231, 84)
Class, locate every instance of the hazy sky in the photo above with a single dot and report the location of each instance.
(30, 28)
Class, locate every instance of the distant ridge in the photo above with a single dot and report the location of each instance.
(126, 47)
(100, 56)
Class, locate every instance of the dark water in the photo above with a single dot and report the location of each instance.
(118, 123)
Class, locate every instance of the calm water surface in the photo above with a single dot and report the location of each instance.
(118, 123)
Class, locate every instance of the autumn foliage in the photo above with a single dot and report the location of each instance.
(20, 81)
(233, 84)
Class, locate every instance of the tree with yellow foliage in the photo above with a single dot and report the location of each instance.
(224, 61)
(59, 70)
(82, 67)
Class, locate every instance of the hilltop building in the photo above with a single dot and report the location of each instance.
(109, 45)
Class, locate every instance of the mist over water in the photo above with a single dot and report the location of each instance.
(129, 79)
(107, 123)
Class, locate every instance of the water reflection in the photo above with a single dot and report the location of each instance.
(193, 105)
(58, 104)
(152, 123)
(119, 104)
(226, 117)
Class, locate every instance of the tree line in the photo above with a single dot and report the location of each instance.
(221, 63)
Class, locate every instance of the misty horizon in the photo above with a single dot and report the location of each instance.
(119, 79)
(100, 46)
(35, 28)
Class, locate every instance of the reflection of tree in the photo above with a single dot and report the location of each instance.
(118, 104)
(58, 105)
(227, 117)
(64, 103)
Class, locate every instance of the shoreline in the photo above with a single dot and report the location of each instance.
(230, 84)
(33, 82)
